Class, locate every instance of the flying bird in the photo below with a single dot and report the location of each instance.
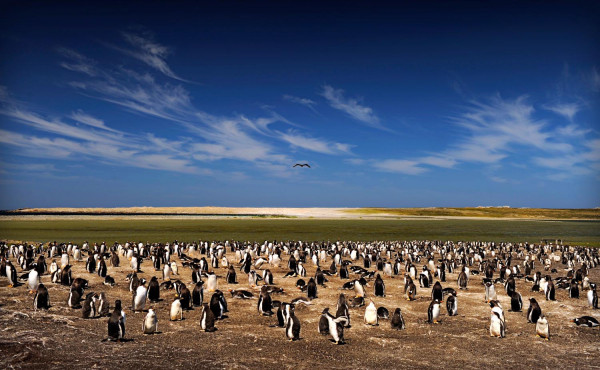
(301, 165)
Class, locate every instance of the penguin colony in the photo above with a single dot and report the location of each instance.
(356, 269)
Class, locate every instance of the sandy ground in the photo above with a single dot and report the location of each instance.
(61, 338)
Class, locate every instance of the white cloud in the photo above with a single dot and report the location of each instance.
(407, 167)
(314, 144)
(303, 101)
(566, 110)
(350, 106)
(86, 119)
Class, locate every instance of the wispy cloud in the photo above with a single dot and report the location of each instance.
(313, 144)
(351, 107)
(403, 166)
(566, 110)
(145, 49)
(82, 117)
(302, 101)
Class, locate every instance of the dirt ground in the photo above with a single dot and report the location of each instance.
(60, 337)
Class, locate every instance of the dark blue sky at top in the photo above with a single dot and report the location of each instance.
(210, 103)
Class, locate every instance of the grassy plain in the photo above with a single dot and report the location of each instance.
(261, 229)
(495, 212)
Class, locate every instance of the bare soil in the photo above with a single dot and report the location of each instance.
(60, 338)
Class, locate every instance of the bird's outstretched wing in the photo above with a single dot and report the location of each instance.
(296, 165)
(307, 165)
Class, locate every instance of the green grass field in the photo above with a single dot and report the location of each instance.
(260, 229)
(496, 212)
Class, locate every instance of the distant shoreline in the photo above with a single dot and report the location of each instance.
(504, 213)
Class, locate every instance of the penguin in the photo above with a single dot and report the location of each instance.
(74, 298)
(268, 277)
(424, 280)
(343, 273)
(65, 275)
(311, 289)
(134, 282)
(411, 291)
(510, 286)
(33, 281)
(383, 313)
(282, 315)
(379, 286)
(534, 312)
(490, 292)
(207, 319)
(292, 326)
(496, 325)
(185, 297)
(11, 274)
(90, 265)
(334, 326)
(452, 305)
(320, 277)
(176, 312)
(174, 268)
(211, 282)
(371, 314)
(253, 278)
(588, 321)
(433, 313)
(264, 302)
(116, 323)
(592, 296)
(342, 309)
(138, 302)
(463, 279)
(574, 289)
(541, 328)
(437, 292)
(397, 321)
(516, 302)
(359, 288)
(301, 284)
(231, 275)
(323, 327)
(89, 306)
(217, 304)
(103, 305)
(497, 307)
(102, 270)
(110, 281)
(150, 323)
(550, 290)
(41, 300)
(198, 294)
(167, 272)
(153, 290)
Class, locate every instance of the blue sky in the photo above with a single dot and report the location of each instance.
(211, 103)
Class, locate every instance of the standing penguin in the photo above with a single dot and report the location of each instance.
(516, 302)
(379, 286)
(89, 306)
(153, 290)
(496, 325)
(41, 299)
(541, 328)
(102, 270)
(292, 326)
(342, 309)
(433, 313)
(574, 289)
(490, 292)
(397, 321)
(185, 297)
(103, 305)
(90, 265)
(592, 296)
(176, 312)
(74, 298)
(198, 294)
(437, 292)
(218, 305)
(335, 326)
(138, 303)
(231, 275)
(452, 305)
(116, 323)
(211, 282)
(150, 324)
(311, 289)
(264, 302)
(33, 281)
(463, 279)
(550, 289)
(167, 272)
(371, 314)
(534, 312)
(11, 274)
(207, 319)
(411, 290)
